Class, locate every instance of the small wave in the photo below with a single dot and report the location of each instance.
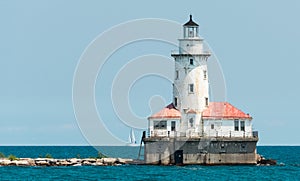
(191, 168)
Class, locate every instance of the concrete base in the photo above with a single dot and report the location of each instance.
(207, 151)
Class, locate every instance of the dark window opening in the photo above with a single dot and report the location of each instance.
(191, 61)
(177, 75)
(242, 125)
(204, 74)
(206, 101)
(173, 126)
(191, 122)
(191, 88)
(236, 125)
(175, 102)
(212, 126)
(160, 124)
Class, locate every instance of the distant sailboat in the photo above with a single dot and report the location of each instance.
(131, 139)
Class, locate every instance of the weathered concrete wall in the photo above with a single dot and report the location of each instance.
(210, 151)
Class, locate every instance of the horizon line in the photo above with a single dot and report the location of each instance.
(116, 145)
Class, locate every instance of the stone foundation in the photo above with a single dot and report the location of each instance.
(206, 151)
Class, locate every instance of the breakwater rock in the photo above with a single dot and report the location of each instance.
(263, 161)
(65, 162)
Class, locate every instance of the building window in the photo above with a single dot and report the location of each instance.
(156, 124)
(206, 101)
(191, 61)
(242, 125)
(191, 122)
(176, 75)
(212, 126)
(191, 88)
(204, 74)
(236, 125)
(175, 102)
(173, 126)
(160, 124)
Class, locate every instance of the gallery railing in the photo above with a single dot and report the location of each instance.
(227, 134)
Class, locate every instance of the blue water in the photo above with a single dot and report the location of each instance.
(287, 156)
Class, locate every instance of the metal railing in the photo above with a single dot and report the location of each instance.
(228, 134)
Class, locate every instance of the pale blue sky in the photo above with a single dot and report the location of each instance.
(41, 42)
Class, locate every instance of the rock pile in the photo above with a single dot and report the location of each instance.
(64, 162)
(263, 161)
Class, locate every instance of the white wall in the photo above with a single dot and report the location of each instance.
(191, 74)
(226, 128)
(191, 45)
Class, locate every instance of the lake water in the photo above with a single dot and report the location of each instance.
(288, 158)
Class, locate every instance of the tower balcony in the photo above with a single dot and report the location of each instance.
(175, 53)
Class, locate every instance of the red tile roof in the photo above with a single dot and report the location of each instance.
(217, 110)
(168, 112)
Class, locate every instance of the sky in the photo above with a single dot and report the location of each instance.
(41, 42)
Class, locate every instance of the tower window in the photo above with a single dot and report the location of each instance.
(242, 125)
(212, 126)
(191, 88)
(177, 75)
(204, 74)
(236, 125)
(191, 122)
(191, 32)
(206, 101)
(175, 102)
(191, 61)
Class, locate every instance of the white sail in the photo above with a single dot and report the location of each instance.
(131, 139)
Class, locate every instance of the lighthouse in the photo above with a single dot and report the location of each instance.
(190, 88)
(192, 129)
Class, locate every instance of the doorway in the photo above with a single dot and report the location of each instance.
(178, 157)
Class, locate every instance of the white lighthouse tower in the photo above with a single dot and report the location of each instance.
(190, 88)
